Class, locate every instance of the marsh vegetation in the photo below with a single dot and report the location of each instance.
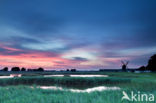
(66, 89)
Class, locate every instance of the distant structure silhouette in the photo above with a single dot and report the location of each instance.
(73, 70)
(124, 65)
(15, 69)
(152, 63)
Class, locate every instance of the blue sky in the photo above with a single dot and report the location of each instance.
(84, 34)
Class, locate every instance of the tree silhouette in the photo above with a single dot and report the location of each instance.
(152, 63)
(5, 69)
(142, 68)
(40, 69)
(15, 69)
(23, 69)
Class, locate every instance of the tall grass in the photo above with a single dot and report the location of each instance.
(20, 93)
(23, 94)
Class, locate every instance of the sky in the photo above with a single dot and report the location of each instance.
(81, 34)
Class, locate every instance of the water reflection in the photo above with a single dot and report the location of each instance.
(11, 76)
(76, 75)
(1, 77)
(53, 75)
(51, 87)
(15, 75)
(19, 75)
(99, 88)
(88, 75)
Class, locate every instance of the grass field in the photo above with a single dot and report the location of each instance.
(18, 90)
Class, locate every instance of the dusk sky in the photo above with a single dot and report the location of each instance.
(81, 34)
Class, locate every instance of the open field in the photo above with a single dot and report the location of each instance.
(25, 89)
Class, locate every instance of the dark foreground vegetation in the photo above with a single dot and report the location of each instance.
(76, 82)
(18, 90)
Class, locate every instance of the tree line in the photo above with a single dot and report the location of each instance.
(22, 69)
(151, 66)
